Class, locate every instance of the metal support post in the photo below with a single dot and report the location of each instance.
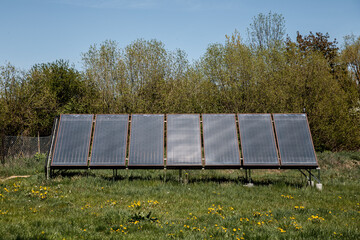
(164, 175)
(180, 175)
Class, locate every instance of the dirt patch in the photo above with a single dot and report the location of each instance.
(8, 178)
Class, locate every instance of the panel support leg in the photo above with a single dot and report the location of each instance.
(311, 176)
(319, 184)
(114, 174)
(180, 175)
(248, 178)
(164, 175)
(186, 180)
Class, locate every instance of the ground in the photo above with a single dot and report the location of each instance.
(213, 204)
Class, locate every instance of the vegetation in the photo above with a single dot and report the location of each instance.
(213, 204)
(268, 73)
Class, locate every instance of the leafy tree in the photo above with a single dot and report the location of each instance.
(351, 57)
(13, 110)
(319, 42)
(105, 68)
(54, 88)
(267, 31)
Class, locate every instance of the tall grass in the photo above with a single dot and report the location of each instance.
(214, 204)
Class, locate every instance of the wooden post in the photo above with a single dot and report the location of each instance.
(2, 148)
(39, 143)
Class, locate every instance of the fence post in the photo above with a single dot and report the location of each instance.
(39, 143)
(2, 148)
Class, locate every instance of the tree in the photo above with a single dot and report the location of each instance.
(351, 57)
(13, 110)
(104, 67)
(319, 43)
(267, 31)
(52, 89)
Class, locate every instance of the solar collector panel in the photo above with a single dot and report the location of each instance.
(294, 140)
(109, 142)
(147, 141)
(183, 140)
(221, 145)
(257, 140)
(72, 140)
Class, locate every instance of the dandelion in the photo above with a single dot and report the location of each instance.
(281, 230)
(287, 196)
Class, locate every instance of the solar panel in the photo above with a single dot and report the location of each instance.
(147, 141)
(220, 140)
(73, 140)
(257, 140)
(294, 139)
(109, 143)
(183, 140)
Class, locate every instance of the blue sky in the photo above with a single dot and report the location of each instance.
(40, 31)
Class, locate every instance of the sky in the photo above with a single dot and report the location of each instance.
(42, 31)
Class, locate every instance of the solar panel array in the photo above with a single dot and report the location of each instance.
(257, 140)
(73, 140)
(109, 142)
(147, 140)
(183, 140)
(221, 144)
(294, 139)
(259, 144)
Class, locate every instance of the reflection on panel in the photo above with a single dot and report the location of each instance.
(109, 143)
(220, 140)
(147, 140)
(257, 140)
(73, 140)
(294, 139)
(183, 140)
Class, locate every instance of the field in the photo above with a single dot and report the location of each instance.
(211, 204)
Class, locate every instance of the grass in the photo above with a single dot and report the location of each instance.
(214, 204)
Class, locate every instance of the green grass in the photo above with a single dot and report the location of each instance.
(214, 204)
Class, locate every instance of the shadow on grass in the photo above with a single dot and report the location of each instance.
(185, 179)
